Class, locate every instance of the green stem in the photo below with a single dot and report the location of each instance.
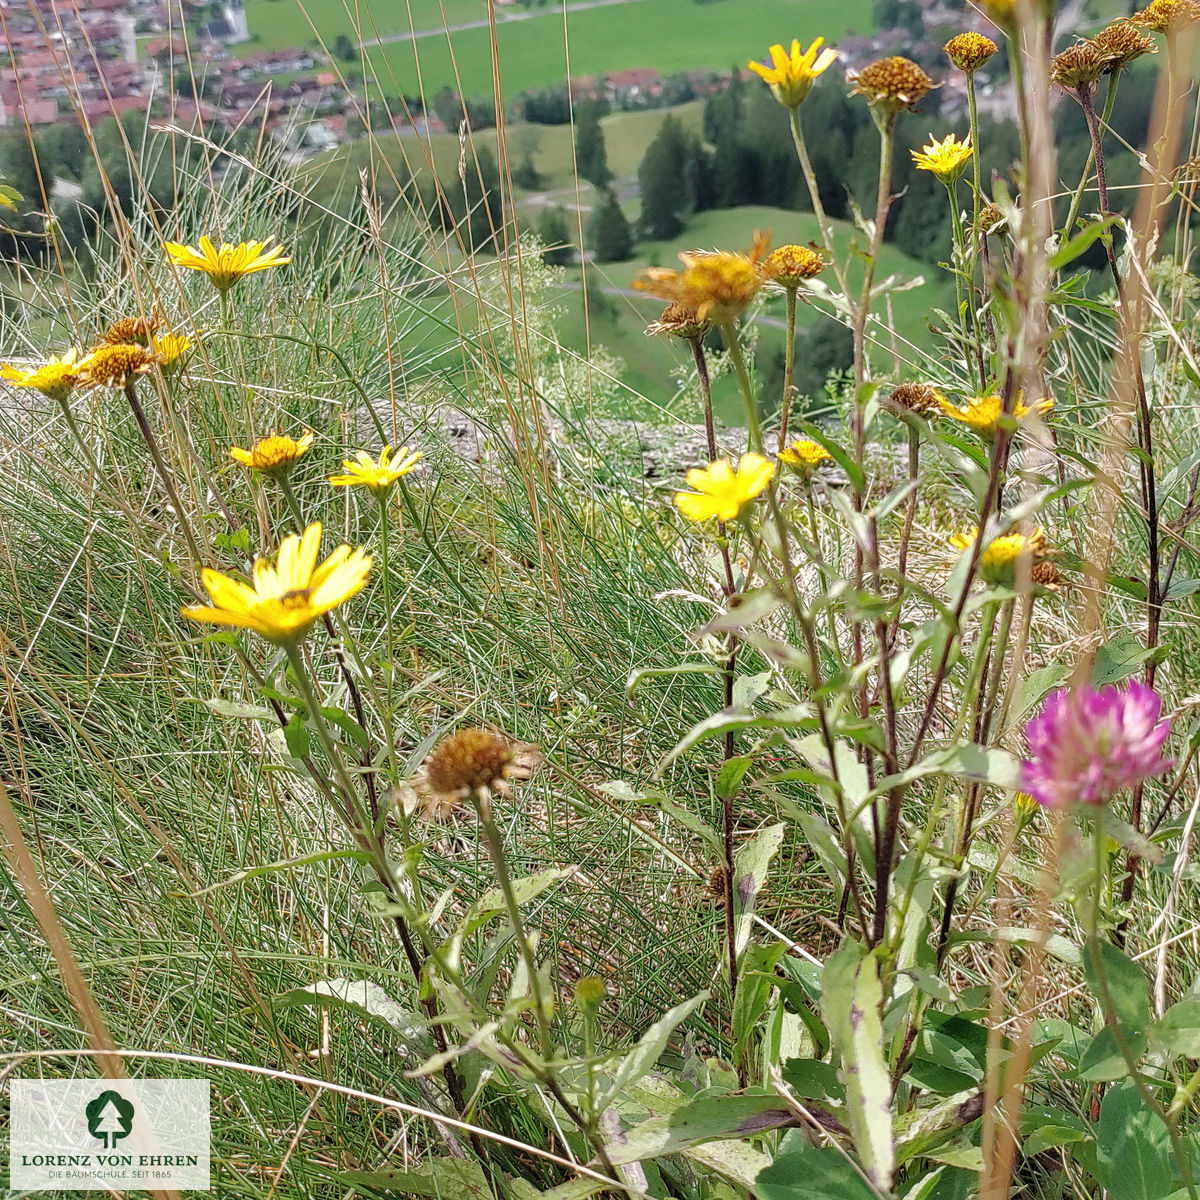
(789, 365)
(754, 428)
(810, 178)
(385, 574)
(961, 284)
(883, 202)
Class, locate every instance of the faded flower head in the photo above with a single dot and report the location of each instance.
(230, 264)
(804, 457)
(1078, 65)
(56, 378)
(1168, 16)
(471, 760)
(285, 597)
(998, 560)
(920, 398)
(992, 221)
(377, 474)
(969, 51)
(132, 329)
(723, 491)
(1086, 745)
(790, 266)
(791, 75)
(983, 413)
(116, 365)
(590, 993)
(892, 84)
(946, 159)
(715, 285)
(679, 322)
(273, 455)
(1121, 43)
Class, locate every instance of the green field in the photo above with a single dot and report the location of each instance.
(670, 35)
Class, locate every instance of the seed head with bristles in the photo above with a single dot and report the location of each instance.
(892, 84)
(920, 398)
(1077, 66)
(471, 760)
(1121, 43)
(131, 329)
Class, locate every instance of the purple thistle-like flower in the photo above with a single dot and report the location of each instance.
(1088, 745)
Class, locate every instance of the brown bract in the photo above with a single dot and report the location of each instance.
(892, 83)
(920, 398)
(679, 322)
(1078, 65)
(131, 329)
(116, 365)
(790, 266)
(969, 51)
(1121, 43)
(992, 221)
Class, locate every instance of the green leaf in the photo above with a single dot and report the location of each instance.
(798, 716)
(492, 903)
(729, 778)
(1179, 1029)
(750, 866)
(1080, 242)
(851, 1001)
(700, 1121)
(442, 1179)
(295, 733)
(1102, 1061)
(1119, 658)
(10, 198)
(858, 480)
(239, 710)
(754, 990)
(1127, 986)
(1134, 1158)
(642, 1058)
(367, 999)
(813, 1173)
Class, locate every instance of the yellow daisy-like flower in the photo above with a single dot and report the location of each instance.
(998, 559)
(56, 378)
(170, 349)
(715, 285)
(722, 490)
(379, 475)
(790, 266)
(946, 159)
(969, 51)
(287, 596)
(230, 264)
(273, 455)
(891, 84)
(116, 365)
(791, 75)
(982, 413)
(804, 457)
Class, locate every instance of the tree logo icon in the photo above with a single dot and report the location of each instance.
(109, 1118)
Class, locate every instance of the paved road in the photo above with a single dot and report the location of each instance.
(507, 18)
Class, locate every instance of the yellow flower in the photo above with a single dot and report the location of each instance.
(791, 76)
(56, 377)
(170, 348)
(723, 491)
(715, 285)
(969, 51)
(226, 266)
(998, 559)
(273, 455)
(288, 596)
(790, 266)
(378, 476)
(804, 457)
(116, 365)
(891, 84)
(982, 413)
(945, 159)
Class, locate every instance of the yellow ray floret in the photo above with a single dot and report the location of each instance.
(364, 471)
(998, 559)
(945, 159)
(55, 378)
(723, 491)
(288, 596)
(715, 285)
(804, 456)
(791, 75)
(983, 413)
(226, 266)
(272, 454)
(170, 348)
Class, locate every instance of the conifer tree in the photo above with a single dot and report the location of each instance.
(609, 235)
(591, 154)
